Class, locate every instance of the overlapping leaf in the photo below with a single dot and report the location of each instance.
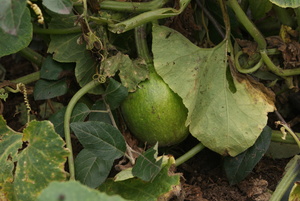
(226, 113)
(102, 139)
(147, 166)
(91, 170)
(66, 49)
(58, 6)
(16, 33)
(238, 167)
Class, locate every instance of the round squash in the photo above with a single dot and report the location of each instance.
(154, 113)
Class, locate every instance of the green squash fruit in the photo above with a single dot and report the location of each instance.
(154, 113)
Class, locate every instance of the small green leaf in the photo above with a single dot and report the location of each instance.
(91, 170)
(295, 192)
(238, 167)
(73, 191)
(53, 70)
(45, 89)
(58, 6)
(147, 166)
(137, 189)
(18, 36)
(286, 3)
(115, 93)
(131, 72)
(102, 139)
(79, 113)
(259, 8)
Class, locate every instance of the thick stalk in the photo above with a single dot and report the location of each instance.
(242, 17)
(32, 56)
(188, 155)
(147, 17)
(67, 118)
(292, 170)
(132, 6)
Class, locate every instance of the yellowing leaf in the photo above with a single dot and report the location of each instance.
(31, 169)
(226, 113)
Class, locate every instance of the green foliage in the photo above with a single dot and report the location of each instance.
(21, 177)
(131, 72)
(114, 94)
(137, 189)
(59, 6)
(285, 4)
(259, 8)
(73, 191)
(226, 122)
(80, 112)
(147, 165)
(91, 170)
(227, 111)
(45, 89)
(16, 29)
(238, 167)
(100, 138)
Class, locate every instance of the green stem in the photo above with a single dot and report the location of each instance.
(67, 118)
(292, 170)
(32, 56)
(147, 17)
(246, 70)
(71, 30)
(27, 79)
(277, 70)
(132, 6)
(277, 137)
(250, 27)
(283, 16)
(141, 43)
(191, 153)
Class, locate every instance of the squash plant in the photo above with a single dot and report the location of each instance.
(223, 94)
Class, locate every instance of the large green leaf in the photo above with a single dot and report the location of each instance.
(91, 170)
(238, 167)
(138, 190)
(18, 36)
(102, 139)
(226, 113)
(58, 6)
(73, 191)
(11, 13)
(36, 165)
(286, 3)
